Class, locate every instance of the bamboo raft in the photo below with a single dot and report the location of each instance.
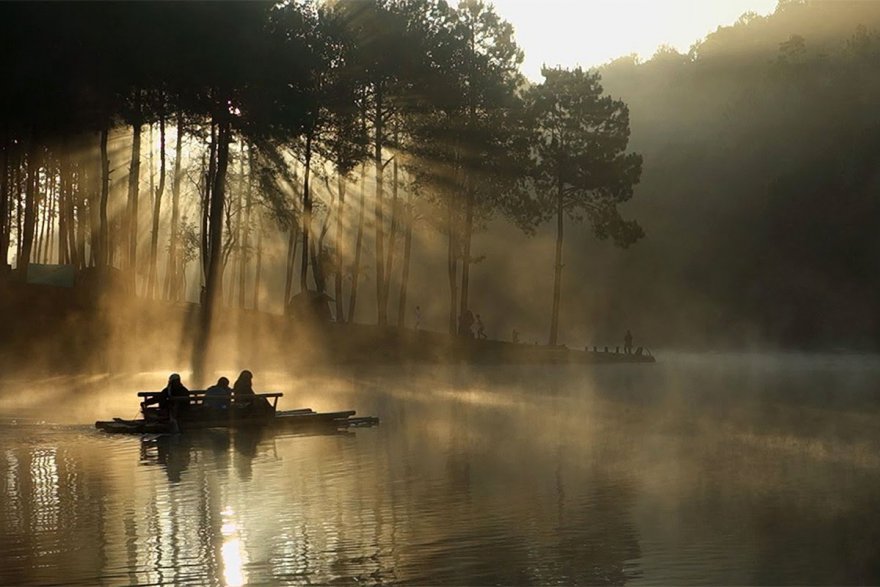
(253, 411)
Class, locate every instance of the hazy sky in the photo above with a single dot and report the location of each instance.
(592, 32)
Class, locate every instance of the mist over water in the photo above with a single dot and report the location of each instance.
(701, 469)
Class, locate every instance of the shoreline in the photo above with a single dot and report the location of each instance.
(62, 329)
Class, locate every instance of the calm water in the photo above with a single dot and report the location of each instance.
(698, 470)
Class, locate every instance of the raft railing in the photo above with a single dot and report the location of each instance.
(197, 397)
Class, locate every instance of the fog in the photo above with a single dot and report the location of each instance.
(729, 468)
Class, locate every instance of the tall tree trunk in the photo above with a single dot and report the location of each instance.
(82, 212)
(452, 266)
(317, 275)
(51, 208)
(557, 277)
(19, 211)
(30, 208)
(258, 271)
(69, 207)
(466, 252)
(407, 249)
(468, 170)
(62, 201)
(239, 213)
(51, 205)
(4, 203)
(172, 278)
(42, 198)
(452, 270)
(306, 219)
(380, 219)
(212, 279)
(92, 182)
(242, 274)
(392, 234)
(292, 244)
(151, 173)
(157, 208)
(104, 226)
(40, 230)
(134, 176)
(337, 289)
(469, 162)
(206, 200)
(226, 293)
(356, 267)
(13, 190)
(317, 249)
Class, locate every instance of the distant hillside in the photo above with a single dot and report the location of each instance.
(760, 194)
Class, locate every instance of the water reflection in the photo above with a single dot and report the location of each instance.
(705, 473)
(232, 552)
(218, 450)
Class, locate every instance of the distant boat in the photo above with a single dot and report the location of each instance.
(253, 411)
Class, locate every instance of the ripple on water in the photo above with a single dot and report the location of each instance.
(696, 470)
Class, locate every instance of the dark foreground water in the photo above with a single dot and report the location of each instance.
(698, 470)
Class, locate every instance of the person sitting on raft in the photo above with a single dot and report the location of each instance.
(174, 389)
(243, 386)
(218, 395)
(243, 393)
(175, 393)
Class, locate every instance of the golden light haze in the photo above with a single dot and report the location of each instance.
(592, 32)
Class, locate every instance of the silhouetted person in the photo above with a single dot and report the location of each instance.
(217, 396)
(174, 399)
(418, 317)
(175, 387)
(244, 385)
(481, 333)
(243, 392)
(466, 324)
(628, 342)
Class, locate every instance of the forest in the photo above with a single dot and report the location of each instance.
(375, 152)
(320, 126)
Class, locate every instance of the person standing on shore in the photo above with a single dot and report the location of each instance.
(466, 324)
(628, 342)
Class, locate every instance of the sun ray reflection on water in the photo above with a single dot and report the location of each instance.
(232, 552)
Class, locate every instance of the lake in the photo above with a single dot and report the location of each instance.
(700, 469)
